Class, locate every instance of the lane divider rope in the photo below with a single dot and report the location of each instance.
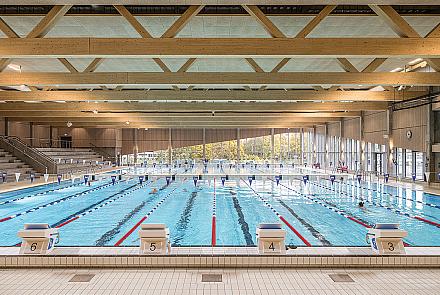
(305, 241)
(124, 237)
(54, 202)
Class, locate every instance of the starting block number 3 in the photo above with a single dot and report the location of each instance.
(272, 247)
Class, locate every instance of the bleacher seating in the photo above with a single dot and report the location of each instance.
(11, 165)
(73, 159)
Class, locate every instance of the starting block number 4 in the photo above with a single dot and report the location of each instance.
(272, 247)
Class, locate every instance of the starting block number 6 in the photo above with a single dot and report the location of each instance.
(272, 247)
(33, 248)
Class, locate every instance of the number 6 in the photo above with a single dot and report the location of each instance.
(33, 246)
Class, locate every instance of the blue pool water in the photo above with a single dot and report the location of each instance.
(321, 213)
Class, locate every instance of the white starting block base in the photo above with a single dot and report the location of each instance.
(387, 239)
(271, 239)
(154, 239)
(38, 239)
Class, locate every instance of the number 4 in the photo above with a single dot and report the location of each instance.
(272, 247)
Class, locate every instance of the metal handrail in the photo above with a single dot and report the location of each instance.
(16, 143)
(101, 151)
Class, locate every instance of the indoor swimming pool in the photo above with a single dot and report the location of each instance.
(220, 212)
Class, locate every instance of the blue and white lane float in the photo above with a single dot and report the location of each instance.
(213, 226)
(396, 196)
(307, 243)
(39, 194)
(102, 205)
(397, 211)
(124, 237)
(54, 202)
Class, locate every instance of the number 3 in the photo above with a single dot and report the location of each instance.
(390, 246)
(152, 247)
(33, 246)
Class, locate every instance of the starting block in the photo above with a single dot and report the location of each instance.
(154, 239)
(271, 238)
(386, 238)
(38, 238)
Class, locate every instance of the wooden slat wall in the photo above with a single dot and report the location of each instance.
(414, 120)
(351, 128)
(82, 137)
(20, 129)
(375, 127)
(334, 129)
(320, 129)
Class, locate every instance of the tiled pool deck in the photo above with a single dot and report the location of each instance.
(219, 257)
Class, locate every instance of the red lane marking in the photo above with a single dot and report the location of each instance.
(130, 231)
(427, 221)
(67, 222)
(295, 231)
(213, 237)
(358, 221)
(6, 218)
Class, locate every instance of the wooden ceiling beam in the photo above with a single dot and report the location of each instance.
(274, 115)
(202, 95)
(181, 22)
(49, 21)
(133, 21)
(219, 47)
(346, 65)
(267, 24)
(315, 21)
(396, 22)
(196, 107)
(229, 78)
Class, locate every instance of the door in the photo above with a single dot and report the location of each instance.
(66, 141)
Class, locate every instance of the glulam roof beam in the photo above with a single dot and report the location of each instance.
(202, 95)
(229, 78)
(219, 47)
(196, 107)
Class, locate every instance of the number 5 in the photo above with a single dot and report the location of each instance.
(152, 247)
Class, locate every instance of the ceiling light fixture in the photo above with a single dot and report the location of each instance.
(127, 122)
(95, 111)
(15, 67)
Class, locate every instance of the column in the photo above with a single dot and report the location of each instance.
(361, 148)
(301, 140)
(430, 169)
(170, 147)
(326, 154)
(31, 133)
(272, 144)
(341, 143)
(135, 145)
(204, 143)
(288, 144)
(238, 145)
(388, 156)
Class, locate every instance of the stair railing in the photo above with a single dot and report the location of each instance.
(37, 159)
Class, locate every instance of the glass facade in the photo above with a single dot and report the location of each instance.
(309, 148)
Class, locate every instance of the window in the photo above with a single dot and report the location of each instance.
(419, 158)
(408, 163)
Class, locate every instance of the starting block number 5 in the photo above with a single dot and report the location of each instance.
(153, 247)
(272, 247)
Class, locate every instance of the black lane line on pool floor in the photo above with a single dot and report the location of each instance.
(109, 235)
(243, 224)
(184, 219)
(307, 225)
(91, 206)
(57, 201)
